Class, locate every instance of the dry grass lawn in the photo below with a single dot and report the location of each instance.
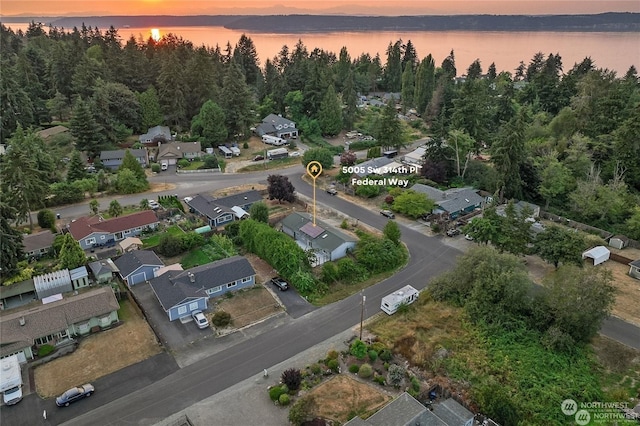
(342, 397)
(628, 294)
(99, 355)
(249, 306)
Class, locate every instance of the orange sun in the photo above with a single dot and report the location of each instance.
(155, 34)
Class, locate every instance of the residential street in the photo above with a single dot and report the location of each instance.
(249, 356)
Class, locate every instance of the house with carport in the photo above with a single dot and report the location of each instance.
(137, 266)
(326, 242)
(23, 330)
(94, 231)
(220, 211)
(182, 292)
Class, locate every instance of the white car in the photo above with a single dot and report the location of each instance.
(200, 320)
(187, 199)
(468, 237)
(295, 154)
(154, 205)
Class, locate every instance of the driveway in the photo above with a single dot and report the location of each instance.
(173, 334)
(295, 305)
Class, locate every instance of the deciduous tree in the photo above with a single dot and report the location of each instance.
(115, 209)
(280, 188)
(259, 212)
(413, 204)
(556, 245)
(321, 155)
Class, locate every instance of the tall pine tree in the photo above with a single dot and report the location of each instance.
(330, 115)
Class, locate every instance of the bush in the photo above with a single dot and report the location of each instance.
(284, 399)
(333, 365)
(182, 163)
(221, 319)
(329, 273)
(46, 219)
(316, 369)
(396, 375)
(379, 380)
(245, 145)
(45, 350)
(292, 378)
(344, 224)
(415, 384)
(155, 168)
(354, 368)
(373, 355)
(301, 411)
(333, 354)
(378, 346)
(365, 371)
(275, 393)
(385, 355)
(358, 349)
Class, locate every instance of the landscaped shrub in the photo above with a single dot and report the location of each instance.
(373, 355)
(378, 346)
(333, 365)
(316, 369)
(396, 375)
(365, 371)
(333, 354)
(353, 368)
(329, 273)
(284, 399)
(358, 349)
(415, 384)
(302, 410)
(275, 393)
(45, 350)
(379, 380)
(221, 319)
(385, 355)
(292, 378)
(155, 168)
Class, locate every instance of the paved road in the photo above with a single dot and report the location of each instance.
(247, 358)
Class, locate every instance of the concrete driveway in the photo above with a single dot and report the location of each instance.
(173, 334)
(295, 305)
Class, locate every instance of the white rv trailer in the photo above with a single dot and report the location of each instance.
(405, 296)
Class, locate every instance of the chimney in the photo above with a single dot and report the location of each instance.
(192, 277)
(22, 321)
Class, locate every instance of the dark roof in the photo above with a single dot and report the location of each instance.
(635, 263)
(129, 262)
(119, 153)
(174, 287)
(105, 266)
(85, 226)
(374, 163)
(273, 123)
(214, 207)
(330, 238)
(38, 241)
(401, 411)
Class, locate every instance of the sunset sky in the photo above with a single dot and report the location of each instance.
(261, 7)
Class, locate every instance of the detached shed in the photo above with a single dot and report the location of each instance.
(599, 254)
(634, 269)
(619, 241)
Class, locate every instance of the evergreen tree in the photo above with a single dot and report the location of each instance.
(330, 115)
(14, 102)
(59, 107)
(408, 88)
(75, 168)
(85, 129)
(202, 83)
(342, 69)
(11, 248)
(172, 91)
(246, 56)
(393, 69)
(389, 130)
(115, 209)
(237, 102)
(71, 254)
(151, 115)
(349, 98)
(425, 83)
(131, 163)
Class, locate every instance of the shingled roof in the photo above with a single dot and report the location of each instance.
(43, 320)
(85, 226)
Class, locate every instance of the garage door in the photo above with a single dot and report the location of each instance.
(21, 356)
(137, 278)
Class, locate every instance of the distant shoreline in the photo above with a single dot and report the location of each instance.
(303, 24)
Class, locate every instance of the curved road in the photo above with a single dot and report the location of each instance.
(216, 373)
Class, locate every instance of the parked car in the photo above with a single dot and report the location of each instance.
(295, 154)
(468, 237)
(74, 394)
(200, 320)
(154, 205)
(388, 213)
(453, 232)
(332, 191)
(258, 158)
(280, 283)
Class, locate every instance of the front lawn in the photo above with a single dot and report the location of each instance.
(271, 164)
(154, 239)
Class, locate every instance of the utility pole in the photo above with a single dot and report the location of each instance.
(364, 298)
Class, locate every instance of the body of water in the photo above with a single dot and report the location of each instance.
(615, 51)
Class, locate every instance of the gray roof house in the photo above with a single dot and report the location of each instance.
(155, 135)
(172, 152)
(49, 323)
(368, 167)
(276, 125)
(113, 159)
(220, 211)
(182, 292)
(520, 206)
(326, 242)
(103, 270)
(405, 410)
(138, 266)
(38, 244)
(454, 202)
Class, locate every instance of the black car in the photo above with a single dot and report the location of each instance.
(280, 283)
(74, 394)
(258, 158)
(332, 191)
